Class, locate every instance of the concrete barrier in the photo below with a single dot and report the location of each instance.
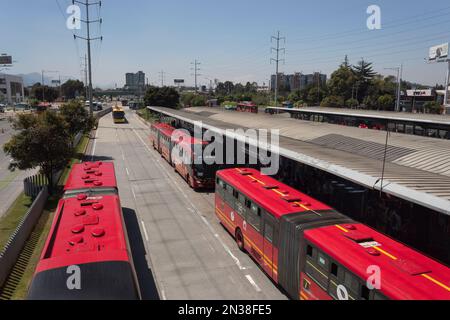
(15, 244)
(100, 114)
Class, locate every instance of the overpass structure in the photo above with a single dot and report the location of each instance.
(401, 188)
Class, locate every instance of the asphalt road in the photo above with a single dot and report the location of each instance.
(179, 248)
(11, 183)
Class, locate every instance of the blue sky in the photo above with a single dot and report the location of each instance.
(230, 38)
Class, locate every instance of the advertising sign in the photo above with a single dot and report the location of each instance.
(438, 53)
(5, 59)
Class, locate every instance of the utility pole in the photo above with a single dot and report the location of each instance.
(196, 74)
(399, 84)
(161, 76)
(89, 39)
(318, 89)
(277, 60)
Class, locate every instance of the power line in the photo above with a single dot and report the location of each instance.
(88, 39)
(387, 25)
(277, 60)
(196, 70)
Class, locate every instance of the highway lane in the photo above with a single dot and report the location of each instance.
(11, 183)
(189, 253)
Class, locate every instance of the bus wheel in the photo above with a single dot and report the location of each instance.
(240, 240)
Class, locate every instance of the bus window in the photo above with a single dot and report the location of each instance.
(229, 195)
(220, 188)
(254, 216)
(309, 250)
(315, 270)
(268, 231)
(351, 283)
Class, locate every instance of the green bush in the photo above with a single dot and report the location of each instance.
(333, 102)
(351, 103)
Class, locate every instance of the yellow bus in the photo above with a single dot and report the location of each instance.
(118, 115)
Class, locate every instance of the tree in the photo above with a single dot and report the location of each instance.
(162, 97)
(333, 102)
(40, 92)
(199, 101)
(351, 103)
(364, 74)
(386, 102)
(186, 98)
(72, 88)
(315, 96)
(77, 117)
(342, 82)
(42, 141)
(432, 107)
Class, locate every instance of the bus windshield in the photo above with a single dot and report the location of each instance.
(118, 114)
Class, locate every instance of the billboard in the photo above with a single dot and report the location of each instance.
(178, 81)
(438, 53)
(419, 93)
(4, 59)
(56, 82)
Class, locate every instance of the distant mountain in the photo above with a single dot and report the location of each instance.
(31, 78)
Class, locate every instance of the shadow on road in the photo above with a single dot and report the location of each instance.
(97, 158)
(144, 273)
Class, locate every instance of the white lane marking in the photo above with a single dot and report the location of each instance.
(163, 294)
(211, 229)
(95, 145)
(253, 283)
(144, 229)
(128, 173)
(134, 194)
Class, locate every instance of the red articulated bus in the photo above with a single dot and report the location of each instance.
(87, 254)
(163, 141)
(154, 135)
(91, 177)
(247, 107)
(190, 165)
(316, 253)
(182, 147)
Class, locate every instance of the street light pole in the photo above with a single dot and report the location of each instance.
(447, 83)
(399, 83)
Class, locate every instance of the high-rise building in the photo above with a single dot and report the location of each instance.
(135, 81)
(11, 88)
(297, 81)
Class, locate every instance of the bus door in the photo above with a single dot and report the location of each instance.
(268, 243)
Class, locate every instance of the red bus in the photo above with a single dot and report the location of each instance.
(247, 107)
(88, 236)
(154, 133)
(92, 178)
(314, 252)
(161, 139)
(188, 164)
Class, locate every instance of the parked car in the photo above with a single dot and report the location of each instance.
(22, 106)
